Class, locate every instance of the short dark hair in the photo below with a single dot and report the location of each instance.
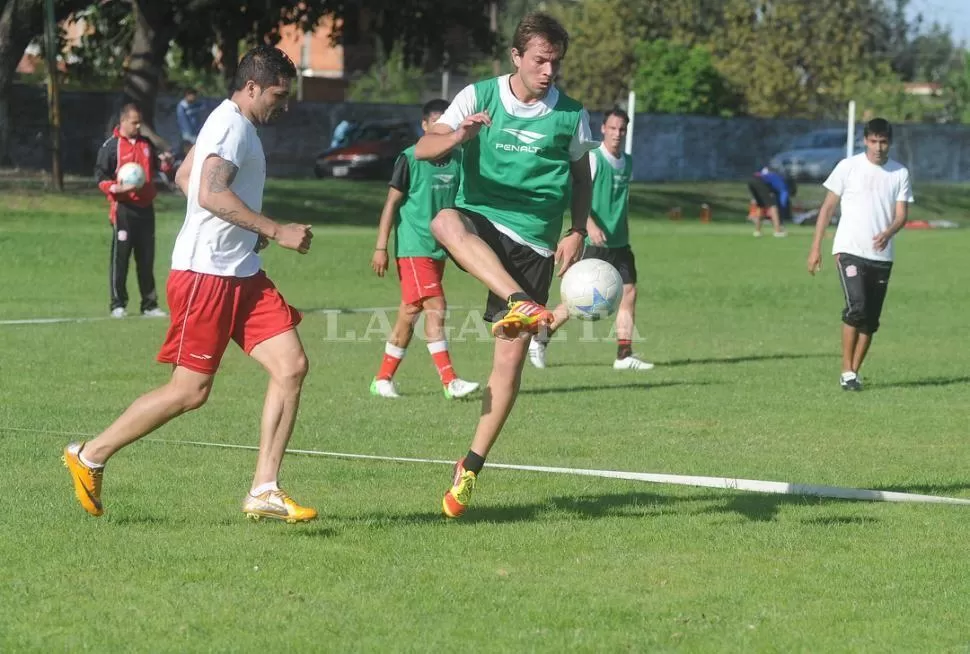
(436, 106)
(127, 109)
(541, 25)
(266, 66)
(616, 111)
(190, 91)
(878, 127)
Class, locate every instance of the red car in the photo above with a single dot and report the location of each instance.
(372, 151)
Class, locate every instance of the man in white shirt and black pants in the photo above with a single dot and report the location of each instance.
(875, 193)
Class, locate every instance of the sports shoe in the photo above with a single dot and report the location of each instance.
(781, 234)
(537, 354)
(87, 481)
(632, 363)
(459, 388)
(459, 496)
(277, 505)
(523, 315)
(154, 313)
(850, 381)
(756, 234)
(383, 388)
(119, 312)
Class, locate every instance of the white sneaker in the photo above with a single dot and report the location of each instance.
(756, 234)
(781, 234)
(537, 354)
(119, 312)
(459, 388)
(632, 363)
(383, 388)
(154, 313)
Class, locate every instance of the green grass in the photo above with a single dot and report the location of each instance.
(746, 344)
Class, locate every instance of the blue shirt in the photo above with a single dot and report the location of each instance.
(189, 117)
(778, 185)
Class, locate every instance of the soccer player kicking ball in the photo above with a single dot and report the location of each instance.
(874, 192)
(217, 292)
(419, 190)
(609, 239)
(524, 143)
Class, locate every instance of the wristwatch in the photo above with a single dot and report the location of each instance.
(576, 230)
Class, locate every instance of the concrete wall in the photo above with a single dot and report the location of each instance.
(666, 148)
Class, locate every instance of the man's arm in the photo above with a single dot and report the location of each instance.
(216, 196)
(184, 172)
(459, 123)
(104, 168)
(821, 224)
(582, 196)
(900, 216)
(380, 259)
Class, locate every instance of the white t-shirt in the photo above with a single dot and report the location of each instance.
(618, 163)
(206, 243)
(463, 106)
(869, 194)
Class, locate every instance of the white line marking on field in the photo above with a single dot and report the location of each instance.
(727, 483)
(53, 321)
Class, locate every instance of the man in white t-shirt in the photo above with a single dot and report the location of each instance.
(525, 156)
(217, 292)
(875, 193)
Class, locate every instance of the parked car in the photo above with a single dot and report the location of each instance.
(812, 156)
(371, 153)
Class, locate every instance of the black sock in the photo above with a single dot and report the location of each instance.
(624, 348)
(519, 297)
(473, 462)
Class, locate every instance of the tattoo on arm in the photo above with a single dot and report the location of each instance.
(220, 176)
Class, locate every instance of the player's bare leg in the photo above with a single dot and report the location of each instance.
(775, 219)
(185, 391)
(403, 329)
(285, 360)
(861, 349)
(539, 343)
(497, 402)
(625, 320)
(850, 343)
(457, 236)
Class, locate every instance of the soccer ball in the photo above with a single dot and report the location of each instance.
(591, 289)
(131, 174)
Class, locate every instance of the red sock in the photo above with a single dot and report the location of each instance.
(442, 361)
(624, 348)
(392, 359)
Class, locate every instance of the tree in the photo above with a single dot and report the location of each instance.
(389, 80)
(957, 94)
(795, 58)
(20, 22)
(677, 79)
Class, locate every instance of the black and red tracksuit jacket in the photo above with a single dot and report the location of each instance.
(116, 152)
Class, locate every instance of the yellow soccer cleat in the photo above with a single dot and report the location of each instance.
(459, 496)
(523, 315)
(276, 505)
(87, 481)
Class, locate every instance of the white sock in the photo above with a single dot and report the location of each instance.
(395, 351)
(848, 374)
(263, 488)
(90, 464)
(437, 346)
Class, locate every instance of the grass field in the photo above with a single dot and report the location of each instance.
(746, 346)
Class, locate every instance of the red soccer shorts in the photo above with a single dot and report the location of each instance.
(208, 310)
(420, 278)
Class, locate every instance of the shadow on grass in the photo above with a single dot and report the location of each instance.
(645, 384)
(744, 359)
(754, 507)
(927, 382)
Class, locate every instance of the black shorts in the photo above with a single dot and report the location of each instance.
(532, 271)
(764, 196)
(864, 283)
(620, 258)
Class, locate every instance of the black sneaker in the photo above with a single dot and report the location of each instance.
(849, 381)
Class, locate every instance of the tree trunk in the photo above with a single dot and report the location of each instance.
(154, 29)
(229, 56)
(20, 20)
